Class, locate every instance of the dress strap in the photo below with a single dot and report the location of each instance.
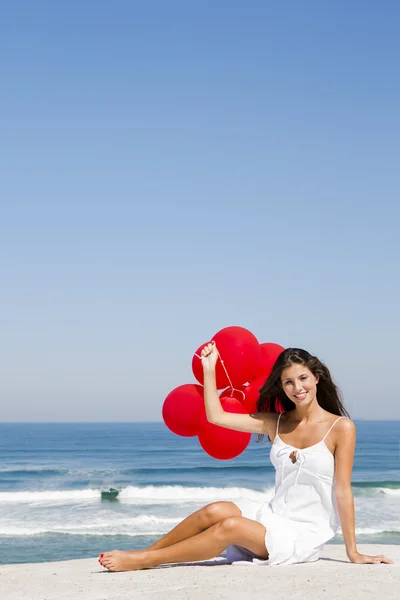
(333, 426)
(277, 424)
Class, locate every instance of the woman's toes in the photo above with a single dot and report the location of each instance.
(104, 558)
(110, 565)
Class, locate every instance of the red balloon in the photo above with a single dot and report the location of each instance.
(197, 366)
(182, 409)
(220, 442)
(241, 353)
(269, 354)
(252, 393)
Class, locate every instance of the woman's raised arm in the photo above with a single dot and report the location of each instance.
(261, 423)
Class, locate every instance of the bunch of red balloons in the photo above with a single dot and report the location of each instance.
(246, 366)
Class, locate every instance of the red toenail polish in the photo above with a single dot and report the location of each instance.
(101, 555)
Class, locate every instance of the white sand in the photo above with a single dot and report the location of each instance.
(332, 578)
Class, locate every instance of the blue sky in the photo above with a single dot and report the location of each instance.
(172, 168)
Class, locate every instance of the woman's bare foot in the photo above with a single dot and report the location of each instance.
(118, 560)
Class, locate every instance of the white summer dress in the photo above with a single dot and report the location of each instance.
(302, 515)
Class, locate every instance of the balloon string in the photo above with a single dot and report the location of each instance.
(236, 390)
(226, 373)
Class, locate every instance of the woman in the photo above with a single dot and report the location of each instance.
(311, 448)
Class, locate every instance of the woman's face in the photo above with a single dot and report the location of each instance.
(299, 384)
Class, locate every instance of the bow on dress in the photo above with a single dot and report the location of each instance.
(300, 460)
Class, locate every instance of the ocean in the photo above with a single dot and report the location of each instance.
(55, 502)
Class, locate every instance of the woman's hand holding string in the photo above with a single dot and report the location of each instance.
(209, 356)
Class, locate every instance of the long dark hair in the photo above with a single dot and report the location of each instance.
(273, 398)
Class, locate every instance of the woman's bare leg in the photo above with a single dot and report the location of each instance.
(197, 522)
(207, 544)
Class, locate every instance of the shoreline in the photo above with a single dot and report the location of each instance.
(332, 577)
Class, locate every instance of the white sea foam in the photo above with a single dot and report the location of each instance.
(389, 491)
(139, 526)
(175, 494)
(46, 496)
(18, 531)
(164, 494)
(135, 526)
(394, 528)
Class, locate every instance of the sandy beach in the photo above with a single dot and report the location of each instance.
(332, 577)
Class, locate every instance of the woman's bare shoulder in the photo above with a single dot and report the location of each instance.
(343, 434)
(345, 425)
